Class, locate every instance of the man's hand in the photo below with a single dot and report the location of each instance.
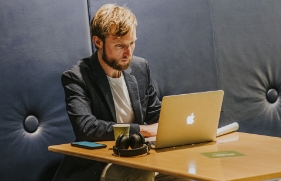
(149, 130)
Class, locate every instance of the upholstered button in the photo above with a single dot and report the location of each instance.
(31, 124)
(272, 95)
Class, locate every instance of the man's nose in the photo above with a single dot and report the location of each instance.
(128, 51)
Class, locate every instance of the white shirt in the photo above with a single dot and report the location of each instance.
(122, 103)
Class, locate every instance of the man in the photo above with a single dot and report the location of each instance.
(112, 86)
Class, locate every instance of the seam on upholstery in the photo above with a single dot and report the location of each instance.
(89, 20)
(215, 44)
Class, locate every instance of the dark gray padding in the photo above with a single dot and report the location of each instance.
(248, 42)
(39, 40)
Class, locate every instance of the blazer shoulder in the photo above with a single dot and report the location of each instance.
(79, 67)
(76, 71)
(139, 59)
(139, 62)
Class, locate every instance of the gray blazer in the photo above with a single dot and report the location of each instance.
(90, 107)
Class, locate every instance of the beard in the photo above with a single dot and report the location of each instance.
(114, 63)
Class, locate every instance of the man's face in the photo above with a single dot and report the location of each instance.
(118, 51)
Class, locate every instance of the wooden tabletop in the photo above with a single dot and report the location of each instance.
(235, 156)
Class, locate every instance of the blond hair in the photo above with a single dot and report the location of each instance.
(113, 20)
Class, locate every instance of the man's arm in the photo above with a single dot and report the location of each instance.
(152, 110)
(78, 105)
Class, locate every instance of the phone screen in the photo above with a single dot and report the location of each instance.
(88, 145)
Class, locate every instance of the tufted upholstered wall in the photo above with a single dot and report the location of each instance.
(248, 41)
(191, 46)
(39, 40)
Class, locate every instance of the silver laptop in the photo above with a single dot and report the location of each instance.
(188, 119)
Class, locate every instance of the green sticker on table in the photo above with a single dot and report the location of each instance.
(222, 154)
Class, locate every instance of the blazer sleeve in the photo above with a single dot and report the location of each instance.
(153, 103)
(85, 124)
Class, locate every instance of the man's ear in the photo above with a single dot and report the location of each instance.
(98, 42)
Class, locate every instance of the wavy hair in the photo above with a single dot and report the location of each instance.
(113, 20)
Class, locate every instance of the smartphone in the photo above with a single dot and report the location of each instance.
(88, 145)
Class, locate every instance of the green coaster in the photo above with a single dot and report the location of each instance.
(222, 154)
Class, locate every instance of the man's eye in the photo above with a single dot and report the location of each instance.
(119, 45)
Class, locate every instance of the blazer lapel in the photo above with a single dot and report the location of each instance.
(132, 86)
(103, 84)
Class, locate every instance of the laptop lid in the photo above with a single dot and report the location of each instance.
(189, 118)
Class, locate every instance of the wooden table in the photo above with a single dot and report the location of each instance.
(260, 158)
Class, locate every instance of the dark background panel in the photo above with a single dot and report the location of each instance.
(248, 41)
(39, 40)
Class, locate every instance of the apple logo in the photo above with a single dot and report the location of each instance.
(190, 119)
